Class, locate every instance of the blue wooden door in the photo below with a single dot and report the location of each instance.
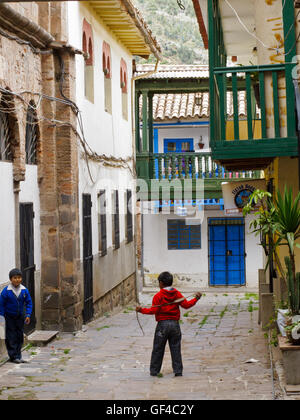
(226, 252)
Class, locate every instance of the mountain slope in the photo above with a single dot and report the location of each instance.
(176, 30)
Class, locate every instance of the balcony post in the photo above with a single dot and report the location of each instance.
(150, 105)
(145, 122)
(289, 28)
(151, 140)
(137, 122)
(144, 161)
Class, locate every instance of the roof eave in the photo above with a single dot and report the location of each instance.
(140, 24)
(201, 22)
(127, 24)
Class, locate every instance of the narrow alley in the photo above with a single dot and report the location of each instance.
(225, 357)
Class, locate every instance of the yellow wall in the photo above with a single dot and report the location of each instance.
(243, 126)
(286, 172)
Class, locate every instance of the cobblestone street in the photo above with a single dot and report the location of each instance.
(110, 359)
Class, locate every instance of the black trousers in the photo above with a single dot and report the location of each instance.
(14, 336)
(168, 330)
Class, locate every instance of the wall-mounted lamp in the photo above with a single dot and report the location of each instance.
(198, 99)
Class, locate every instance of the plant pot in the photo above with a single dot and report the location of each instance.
(201, 145)
(291, 361)
(293, 333)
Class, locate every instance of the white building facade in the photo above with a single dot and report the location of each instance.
(104, 95)
(201, 242)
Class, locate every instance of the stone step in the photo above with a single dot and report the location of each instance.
(41, 338)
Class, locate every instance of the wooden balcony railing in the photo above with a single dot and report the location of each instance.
(265, 99)
(267, 121)
(191, 166)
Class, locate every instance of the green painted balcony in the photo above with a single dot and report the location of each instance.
(268, 127)
(171, 170)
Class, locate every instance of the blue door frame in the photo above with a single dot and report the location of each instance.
(226, 238)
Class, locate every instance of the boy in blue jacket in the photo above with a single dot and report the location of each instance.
(15, 309)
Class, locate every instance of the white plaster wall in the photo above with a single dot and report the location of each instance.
(109, 180)
(184, 132)
(190, 266)
(29, 193)
(7, 221)
(106, 134)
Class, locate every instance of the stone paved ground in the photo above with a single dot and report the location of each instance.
(110, 360)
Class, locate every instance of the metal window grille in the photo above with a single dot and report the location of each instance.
(102, 223)
(182, 236)
(129, 224)
(5, 138)
(31, 137)
(116, 219)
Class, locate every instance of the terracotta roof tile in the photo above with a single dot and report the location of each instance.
(183, 106)
(179, 71)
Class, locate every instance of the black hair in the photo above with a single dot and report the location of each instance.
(166, 278)
(15, 272)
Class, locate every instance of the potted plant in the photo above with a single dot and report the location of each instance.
(279, 220)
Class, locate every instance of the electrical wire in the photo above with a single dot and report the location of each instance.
(181, 5)
(247, 30)
(7, 106)
(258, 39)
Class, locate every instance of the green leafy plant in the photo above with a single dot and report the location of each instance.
(278, 223)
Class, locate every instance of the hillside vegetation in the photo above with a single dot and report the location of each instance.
(176, 30)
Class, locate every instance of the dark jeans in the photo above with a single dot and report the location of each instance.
(14, 336)
(168, 330)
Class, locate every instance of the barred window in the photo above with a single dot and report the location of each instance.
(102, 222)
(129, 218)
(5, 138)
(116, 220)
(182, 236)
(31, 136)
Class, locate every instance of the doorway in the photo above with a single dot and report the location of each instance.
(88, 309)
(27, 256)
(226, 239)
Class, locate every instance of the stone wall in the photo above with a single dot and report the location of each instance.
(24, 69)
(122, 295)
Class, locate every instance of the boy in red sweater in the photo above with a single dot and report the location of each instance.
(165, 307)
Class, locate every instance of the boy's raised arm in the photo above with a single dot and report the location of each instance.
(149, 311)
(186, 304)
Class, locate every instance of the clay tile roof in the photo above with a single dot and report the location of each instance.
(167, 106)
(179, 105)
(182, 106)
(179, 71)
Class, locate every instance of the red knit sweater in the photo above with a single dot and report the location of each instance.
(170, 311)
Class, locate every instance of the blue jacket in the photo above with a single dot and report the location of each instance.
(12, 305)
